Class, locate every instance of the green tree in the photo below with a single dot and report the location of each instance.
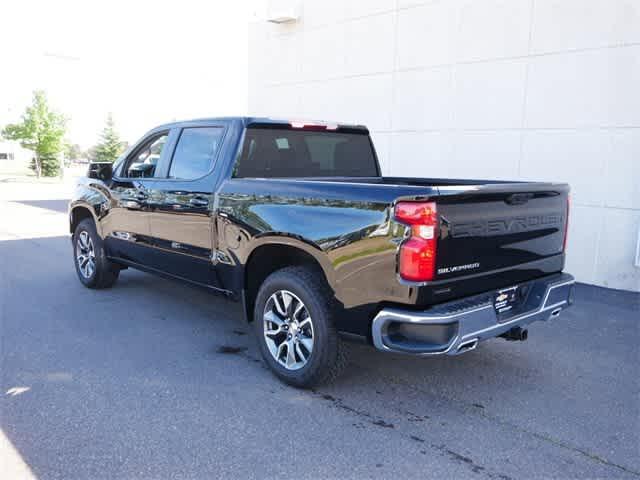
(72, 151)
(42, 131)
(110, 145)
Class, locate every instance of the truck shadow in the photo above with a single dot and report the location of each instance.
(53, 205)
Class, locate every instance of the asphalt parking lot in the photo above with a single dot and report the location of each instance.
(155, 379)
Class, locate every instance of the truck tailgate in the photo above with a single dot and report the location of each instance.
(492, 227)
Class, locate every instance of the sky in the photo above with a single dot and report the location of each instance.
(146, 62)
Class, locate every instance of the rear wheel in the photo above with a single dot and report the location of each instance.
(293, 321)
(92, 265)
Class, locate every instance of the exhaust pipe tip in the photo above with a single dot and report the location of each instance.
(467, 346)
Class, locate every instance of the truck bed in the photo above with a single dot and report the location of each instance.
(492, 233)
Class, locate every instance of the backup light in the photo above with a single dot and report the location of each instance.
(418, 253)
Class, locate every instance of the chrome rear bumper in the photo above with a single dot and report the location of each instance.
(459, 326)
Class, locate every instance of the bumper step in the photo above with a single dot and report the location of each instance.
(457, 327)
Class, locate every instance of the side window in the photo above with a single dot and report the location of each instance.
(143, 162)
(195, 152)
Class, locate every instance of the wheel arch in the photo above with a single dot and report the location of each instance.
(80, 211)
(271, 254)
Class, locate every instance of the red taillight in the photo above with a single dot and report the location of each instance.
(566, 226)
(418, 252)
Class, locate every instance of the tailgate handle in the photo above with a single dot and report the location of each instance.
(518, 198)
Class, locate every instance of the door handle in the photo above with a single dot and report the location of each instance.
(199, 202)
(131, 204)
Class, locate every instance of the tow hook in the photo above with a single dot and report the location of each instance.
(516, 334)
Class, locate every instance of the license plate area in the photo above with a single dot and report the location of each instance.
(506, 299)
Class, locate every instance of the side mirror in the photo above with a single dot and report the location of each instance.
(100, 171)
(140, 169)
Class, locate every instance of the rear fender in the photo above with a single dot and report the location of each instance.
(300, 243)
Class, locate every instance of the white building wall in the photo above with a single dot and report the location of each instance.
(504, 89)
(19, 162)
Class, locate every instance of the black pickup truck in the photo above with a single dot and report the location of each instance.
(296, 221)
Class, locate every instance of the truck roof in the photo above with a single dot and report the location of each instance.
(261, 121)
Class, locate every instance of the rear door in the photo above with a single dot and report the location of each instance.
(181, 205)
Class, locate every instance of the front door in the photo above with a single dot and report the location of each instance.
(182, 206)
(126, 225)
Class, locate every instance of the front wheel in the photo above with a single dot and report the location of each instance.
(92, 265)
(293, 321)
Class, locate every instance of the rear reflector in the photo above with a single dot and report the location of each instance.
(418, 253)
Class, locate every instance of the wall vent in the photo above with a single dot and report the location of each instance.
(283, 11)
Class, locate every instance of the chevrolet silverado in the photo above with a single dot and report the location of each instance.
(295, 220)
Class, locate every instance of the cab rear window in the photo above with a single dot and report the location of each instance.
(275, 152)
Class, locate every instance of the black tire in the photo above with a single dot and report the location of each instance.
(329, 355)
(105, 273)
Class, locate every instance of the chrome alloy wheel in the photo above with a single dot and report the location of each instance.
(85, 255)
(288, 330)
